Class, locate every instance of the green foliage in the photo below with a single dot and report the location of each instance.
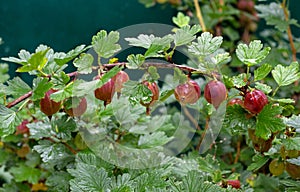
(84, 63)
(261, 72)
(105, 45)
(274, 15)
(252, 54)
(286, 75)
(25, 173)
(181, 20)
(267, 123)
(8, 120)
(206, 44)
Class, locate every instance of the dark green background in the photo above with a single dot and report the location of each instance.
(64, 24)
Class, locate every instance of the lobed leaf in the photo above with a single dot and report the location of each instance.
(84, 63)
(135, 61)
(17, 87)
(181, 20)
(261, 72)
(70, 55)
(25, 173)
(252, 54)
(105, 45)
(205, 44)
(40, 87)
(8, 120)
(267, 122)
(292, 143)
(286, 75)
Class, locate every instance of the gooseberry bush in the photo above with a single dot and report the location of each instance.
(148, 123)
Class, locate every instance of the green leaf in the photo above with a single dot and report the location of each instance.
(253, 53)
(266, 183)
(263, 87)
(126, 114)
(261, 72)
(286, 75)
(257, 162)
(62, 94)
(274, 15)
(5, 175)
(236, 119)
(36, 62)
(240, 80)
(293, 121)
(205, 44)
(17, 87)
(153, 73)
(58, 181)
(158, 45)
(84, 63)
(106, 45)
(3, 72)
(60, 80)
(194, 181)
(268, 123)
(22, 60)
(179, 76)
(284, 101)
(292, 184)
(135, 61)
(37, 133)
(8, 120)
(25, 173)
(142, 40)
(53, 153)
(137, 92)
(63, 127)
(221, 58)
(181, 20)
(88, 177)
(292, 143)
(153, 140)
(70, 55)
(183, 36)
(40, 87)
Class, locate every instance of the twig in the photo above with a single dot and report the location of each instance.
(203, 134)
(18, 100)
(199, 15)
(289, 31)
(238, 153)
(110, 66)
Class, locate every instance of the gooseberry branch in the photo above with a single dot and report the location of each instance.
(110, 66)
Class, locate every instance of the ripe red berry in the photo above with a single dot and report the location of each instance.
(120, 79)
(255, 101)
(155, 92)
(215, 93)
(48, 106)
(22, 128)
(187, 93)
(78, 110)
(106, 92)
(234, 183)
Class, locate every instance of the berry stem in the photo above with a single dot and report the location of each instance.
(110, 66)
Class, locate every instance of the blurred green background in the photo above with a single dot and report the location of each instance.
(63, 25)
